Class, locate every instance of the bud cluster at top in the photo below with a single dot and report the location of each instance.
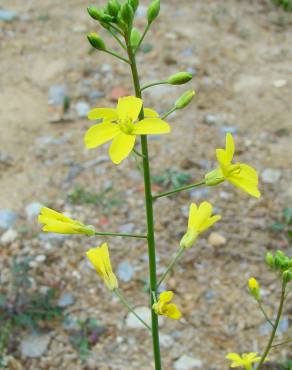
(281, 263)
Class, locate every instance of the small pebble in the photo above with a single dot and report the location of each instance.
(9, 237)
(125, 271)
(186, 362)
(34, 345)
(271, 176)
(216, 239)
(7, 218)
(82, 109)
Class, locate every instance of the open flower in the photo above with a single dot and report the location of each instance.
(56, 222)
(200, 220)
(99, 258)
(246, 360)
(163, 307)
(240, 175)
(121, 125)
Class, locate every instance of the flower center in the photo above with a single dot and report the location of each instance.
(126, 125)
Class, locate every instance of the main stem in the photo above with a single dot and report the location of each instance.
(149, 215)
(269, 345)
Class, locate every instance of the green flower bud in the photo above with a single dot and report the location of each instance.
(153, 11)
(185, 99)
(287, 276)
(99, 15)
(95, 13)
(134, 4)
(113, 7)
(270, 260)
(214, 177)
(179, 78)
(189, 239)
(96, 41)
(127, 14)
(135, 37)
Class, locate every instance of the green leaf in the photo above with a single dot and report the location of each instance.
(278, 226)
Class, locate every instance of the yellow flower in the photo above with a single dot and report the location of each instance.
(254, 288)
(99, 258)
(163, 307)
(200, 220)
(246, 360)
(240, 175)
(120, 126)
(58, 223)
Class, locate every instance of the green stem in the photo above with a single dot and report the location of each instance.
(116, 55)
(138, 153)
(128, 306)
(153, 84)
(178, 190)
(121, 234)
(282, 343)
(169, 112)
(272, 337)
(149, 213)
(140, 42)
(265, 314)
(173, 262)
(116, 37)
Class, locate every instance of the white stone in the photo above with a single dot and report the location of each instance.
(270, 176)
(165, 340)
(280, 83)
(216, 239)
(144, 312)
(34, 345)
(187, 363)
(9, 236)
(32, 210)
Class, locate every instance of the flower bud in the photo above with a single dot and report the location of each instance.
(113, 7)
(153, 11)
(134, 4)
(96, 41)
(287, 276)
(135, 37)
(270, 260)
(99, 15)
(254, 288)
(179, 78)
(185, 99)
(189, 239)
(127, 14)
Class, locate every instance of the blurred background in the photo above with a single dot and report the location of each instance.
(54, 311)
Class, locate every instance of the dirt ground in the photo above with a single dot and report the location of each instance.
(240, 53)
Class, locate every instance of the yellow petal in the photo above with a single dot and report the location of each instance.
(166, 296)
(95, 256)
(108, 114)
(192, 215)
(233, 357)
(246, 179)
(151, 126)
(50, 213)
(203, 213)
(173, 312)
(106, 258)
(229, 147)
(62, 228)
(121, 147)
(209, 222)
(99, 134)
(222, 157)
(129, 107)
(150, 113)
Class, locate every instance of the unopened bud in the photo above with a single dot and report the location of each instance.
(153, 11)
(270, 259)
(185, 99)
(287, 276)
(113, 7)
(254, 288)
(127, 14)
(134, 4)
(135, 37)
(99, 15)
(180, 78)
(96, 41)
